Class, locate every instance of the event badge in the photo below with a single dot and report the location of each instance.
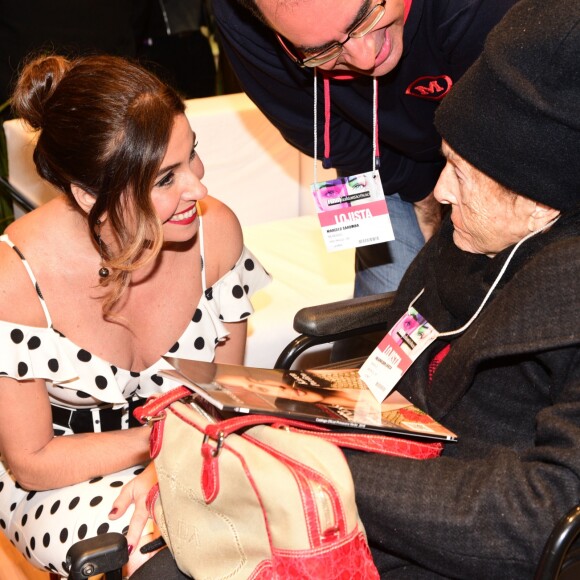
(352, 211)
(398, 350)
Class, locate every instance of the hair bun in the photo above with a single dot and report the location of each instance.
(36, 84)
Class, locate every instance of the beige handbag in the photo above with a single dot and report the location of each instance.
(240, 499)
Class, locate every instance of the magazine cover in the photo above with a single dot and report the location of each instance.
(336, 397)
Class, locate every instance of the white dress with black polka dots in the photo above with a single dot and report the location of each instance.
(43, 525)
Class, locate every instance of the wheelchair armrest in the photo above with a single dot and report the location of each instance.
(352, 315)
(334, 321)
(106, 553)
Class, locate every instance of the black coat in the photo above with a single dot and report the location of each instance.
(510, 389)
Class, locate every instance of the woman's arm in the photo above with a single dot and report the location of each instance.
(39, 460)
(224, 242)
(233, 349)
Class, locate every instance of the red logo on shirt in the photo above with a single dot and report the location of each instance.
(433, 88)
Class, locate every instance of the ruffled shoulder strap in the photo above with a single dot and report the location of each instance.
(228, 300)
(4, 238)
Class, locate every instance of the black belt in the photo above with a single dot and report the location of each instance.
(82, 420)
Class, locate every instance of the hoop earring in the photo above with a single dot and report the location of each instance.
(103, 272)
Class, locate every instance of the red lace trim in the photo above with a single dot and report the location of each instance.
(436, 361)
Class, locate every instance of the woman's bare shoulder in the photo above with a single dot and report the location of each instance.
(19, 301)
(222, 232)
(217, 213)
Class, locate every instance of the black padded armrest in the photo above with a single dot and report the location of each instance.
(106, 553)
(343, 316)
(334, 321)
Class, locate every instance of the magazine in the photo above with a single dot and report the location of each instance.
(333, 397)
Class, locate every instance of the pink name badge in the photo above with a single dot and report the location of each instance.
(352, 211)
(391, 359)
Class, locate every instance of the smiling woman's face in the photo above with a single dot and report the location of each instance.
(178, 185)
(311, 25)
(487, 218)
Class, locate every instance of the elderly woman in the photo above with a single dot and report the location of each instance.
(501, 284)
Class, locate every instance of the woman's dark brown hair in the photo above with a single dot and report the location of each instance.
(104, 124)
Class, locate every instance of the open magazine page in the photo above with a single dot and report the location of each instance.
(332, 397)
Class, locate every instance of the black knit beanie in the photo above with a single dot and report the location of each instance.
(515, 114)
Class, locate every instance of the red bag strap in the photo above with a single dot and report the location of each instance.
(228, 426)
(305, 476)
(155, 406)
(364, 441)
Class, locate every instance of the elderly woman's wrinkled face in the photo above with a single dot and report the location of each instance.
(486, 216)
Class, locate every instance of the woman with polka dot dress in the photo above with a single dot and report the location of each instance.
(132, 262)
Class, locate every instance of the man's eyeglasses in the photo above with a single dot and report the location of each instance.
(360, 29)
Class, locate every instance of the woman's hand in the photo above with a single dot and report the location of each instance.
(135, 492)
